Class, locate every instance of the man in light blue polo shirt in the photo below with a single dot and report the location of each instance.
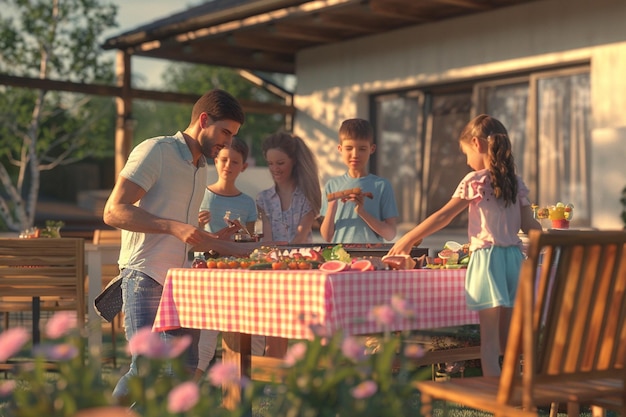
(155, 202)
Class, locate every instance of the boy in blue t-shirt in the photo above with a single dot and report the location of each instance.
(366, 217)
(223, 198)
(219, 198)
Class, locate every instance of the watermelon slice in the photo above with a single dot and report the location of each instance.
(362, 265)
(446, 253)
(449, 256)
(334, 266)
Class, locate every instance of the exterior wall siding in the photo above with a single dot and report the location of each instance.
(334, 82)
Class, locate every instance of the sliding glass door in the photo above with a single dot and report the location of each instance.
(547, 114)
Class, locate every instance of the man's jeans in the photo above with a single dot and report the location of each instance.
(141, 295)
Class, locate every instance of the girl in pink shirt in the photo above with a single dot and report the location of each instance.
(498, 208)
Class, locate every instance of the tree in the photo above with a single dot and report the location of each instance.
(166, 118)
(40, 129)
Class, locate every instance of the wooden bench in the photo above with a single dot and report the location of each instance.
(568, 325)
(44, 268)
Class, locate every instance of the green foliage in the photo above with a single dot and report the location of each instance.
(76, 385)
(62, 34)
(323, 380)
(150, 389)
(53, 229)
(165, 118)
(41, 129)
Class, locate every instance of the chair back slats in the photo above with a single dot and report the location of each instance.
(44, 267)
(584, 308)
(616, 316)
(598, 317)
(569, 321)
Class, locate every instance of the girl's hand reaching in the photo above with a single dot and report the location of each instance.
(403, 246)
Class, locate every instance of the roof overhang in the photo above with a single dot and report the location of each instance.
(266, 35)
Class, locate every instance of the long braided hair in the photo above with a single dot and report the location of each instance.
(501, 163)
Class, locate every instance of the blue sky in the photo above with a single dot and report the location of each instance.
(134, 13)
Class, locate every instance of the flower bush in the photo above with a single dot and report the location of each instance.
(330, 375)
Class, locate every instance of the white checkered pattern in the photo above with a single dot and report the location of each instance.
(284, 303)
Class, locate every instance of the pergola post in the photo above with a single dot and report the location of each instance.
(124, 125)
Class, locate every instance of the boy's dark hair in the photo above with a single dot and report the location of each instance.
(219, 105)
(240, 146)
(356, 129)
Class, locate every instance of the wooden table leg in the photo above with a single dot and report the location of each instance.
(236, 349)
(276, 347)
(36, 316)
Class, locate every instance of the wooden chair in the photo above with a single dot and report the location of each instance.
(107, 236)
(568, 325)
(51, 270)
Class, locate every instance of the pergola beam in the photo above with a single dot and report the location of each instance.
(125, 94)
(250, 106)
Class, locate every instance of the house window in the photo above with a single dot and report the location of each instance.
(547, 115)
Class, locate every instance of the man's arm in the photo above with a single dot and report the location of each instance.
(121, 212)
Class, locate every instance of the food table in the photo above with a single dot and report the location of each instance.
(285, 303)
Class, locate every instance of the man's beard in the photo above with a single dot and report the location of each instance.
(209, 149)
(215, 150)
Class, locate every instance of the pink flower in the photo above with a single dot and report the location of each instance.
(183, 397)
(178, 345)
(352, 349)
(148, 343)
(401, 306)
(60, 352)
(226, 373)
(384, 315)
(295, 353)
(7, 388)
(60, 324)
(364, 390)
(413, 351)
(11, 341)
(319, 330)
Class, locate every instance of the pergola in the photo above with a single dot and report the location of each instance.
(252, 35)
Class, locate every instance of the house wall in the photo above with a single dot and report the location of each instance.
(334, 82)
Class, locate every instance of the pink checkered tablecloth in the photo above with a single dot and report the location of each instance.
(284, 303)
